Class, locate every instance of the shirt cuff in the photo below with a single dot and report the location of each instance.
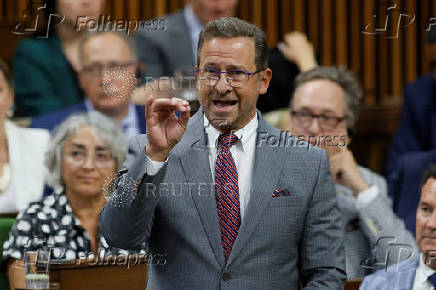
(153, 167)
(366, 196)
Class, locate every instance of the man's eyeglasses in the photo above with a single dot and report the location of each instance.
(305, 119)
(236, 78)
(77, 157)
(96, 68)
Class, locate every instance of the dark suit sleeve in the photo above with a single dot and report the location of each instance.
(322, 256)
(406, 139)
(127, 218)
(151, 55)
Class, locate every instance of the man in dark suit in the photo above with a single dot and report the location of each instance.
(165, 52)
(414, 145)
(107, 76)
(228, 206)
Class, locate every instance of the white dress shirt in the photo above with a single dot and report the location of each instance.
(242, 152)
(366, 196)
(421, 276)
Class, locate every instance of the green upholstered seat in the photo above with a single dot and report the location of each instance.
(5, 226)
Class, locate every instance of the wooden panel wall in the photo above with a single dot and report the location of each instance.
(383, 63)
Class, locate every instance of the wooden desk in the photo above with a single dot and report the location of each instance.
(89, 276)
(9, 215)
(353, 284)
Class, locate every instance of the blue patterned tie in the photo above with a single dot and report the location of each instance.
(432, 279)
(227, 193)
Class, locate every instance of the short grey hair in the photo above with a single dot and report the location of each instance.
(342, 77)
(103, 127)
(229, 27)
(125, 38)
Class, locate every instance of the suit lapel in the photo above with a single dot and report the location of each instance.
(195, 163)
(194, 157)
(264, 180)
(406, 273)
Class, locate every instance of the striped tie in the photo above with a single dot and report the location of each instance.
(227, 193)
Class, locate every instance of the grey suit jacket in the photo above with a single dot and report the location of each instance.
(283, 242)
(165, 51)
(372, 233)
(396, 277)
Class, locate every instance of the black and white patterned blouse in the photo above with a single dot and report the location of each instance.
(51, 224)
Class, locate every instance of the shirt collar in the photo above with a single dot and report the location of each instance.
(244, 134)
(423, 271)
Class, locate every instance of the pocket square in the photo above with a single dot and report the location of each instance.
(281, 192)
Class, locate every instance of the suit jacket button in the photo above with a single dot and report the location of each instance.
(226, 276)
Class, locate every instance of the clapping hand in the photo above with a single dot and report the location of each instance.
(298, 49)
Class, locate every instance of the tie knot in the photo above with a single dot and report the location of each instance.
(227, 140)
(432, 279)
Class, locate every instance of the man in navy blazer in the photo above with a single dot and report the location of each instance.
(107, 76)
(414, 145)
(419, 272)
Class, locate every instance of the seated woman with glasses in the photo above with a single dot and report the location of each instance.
(85, 152)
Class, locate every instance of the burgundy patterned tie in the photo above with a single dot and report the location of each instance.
(227, 193)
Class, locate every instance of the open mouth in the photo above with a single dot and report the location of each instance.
(224, 104)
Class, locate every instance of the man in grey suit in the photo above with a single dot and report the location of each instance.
(165, 52)
(417, 273)
(323, 111)
(229, 206)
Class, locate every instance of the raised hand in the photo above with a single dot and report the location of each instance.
(164, 128)
(298, 49)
